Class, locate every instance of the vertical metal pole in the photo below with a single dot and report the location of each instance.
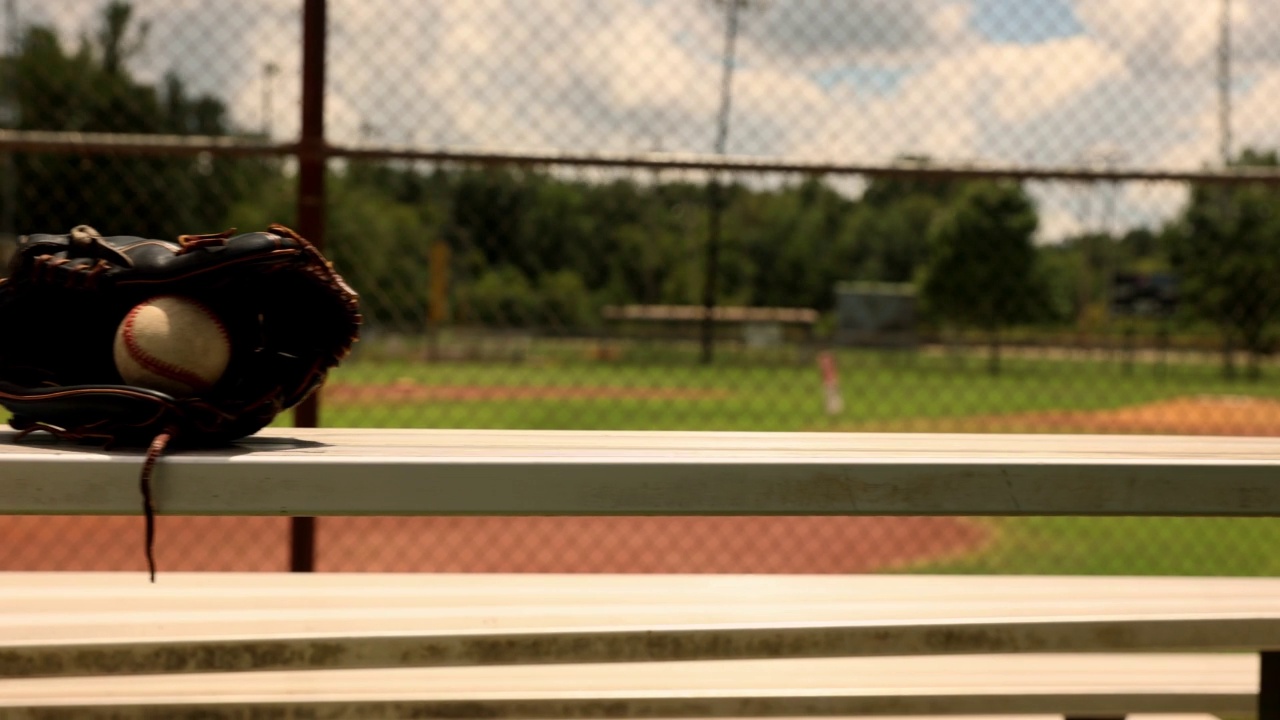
(1224, 129)
(1269, 686)
(1224, 83)
(714, 207)
(715, 196)
(311, 167)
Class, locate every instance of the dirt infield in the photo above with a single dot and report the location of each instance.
(1198, 415)
(488, 544)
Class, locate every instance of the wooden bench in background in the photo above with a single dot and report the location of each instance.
(751, 326)
(370, 645)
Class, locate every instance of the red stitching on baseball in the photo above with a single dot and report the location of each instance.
(155, 364)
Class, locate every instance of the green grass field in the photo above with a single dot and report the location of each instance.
(1125, 546)
(782, 397)
(877, 388)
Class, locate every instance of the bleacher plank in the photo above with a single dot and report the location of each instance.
(1083, 684)
(377, 643)
(26, 597)
(86, 623)
(486, 472)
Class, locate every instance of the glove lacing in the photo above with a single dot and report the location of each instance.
(157, 447)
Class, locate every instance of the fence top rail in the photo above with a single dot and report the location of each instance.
(516, 472)
(95, 143)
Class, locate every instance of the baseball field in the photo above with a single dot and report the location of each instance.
(881, 392)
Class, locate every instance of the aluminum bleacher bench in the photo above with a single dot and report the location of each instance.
(381, 645)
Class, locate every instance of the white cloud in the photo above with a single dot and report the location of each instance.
(1057, 223)
(1149, 204)
(836, 81)
(1253, 113)
(1031, 80)
(1253, 125)
(1153, 34)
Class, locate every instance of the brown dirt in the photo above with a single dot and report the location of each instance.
(405, 390)
(1198, 415)
(494, 544)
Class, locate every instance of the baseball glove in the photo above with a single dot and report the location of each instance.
(289, 318)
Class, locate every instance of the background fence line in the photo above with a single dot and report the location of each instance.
(136, 144)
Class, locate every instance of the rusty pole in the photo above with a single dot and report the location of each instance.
(311, 167)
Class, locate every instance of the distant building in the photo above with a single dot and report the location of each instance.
(753, 326)
(1144, 294)
(876, 314)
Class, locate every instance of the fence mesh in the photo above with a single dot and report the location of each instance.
(883, 263)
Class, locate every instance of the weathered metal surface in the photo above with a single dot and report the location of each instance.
(1083, 706)
(824, 640)
(55, 608)
(406, 472)
(1049, 684)
(503, 645)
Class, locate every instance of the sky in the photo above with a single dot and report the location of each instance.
(1044, 82)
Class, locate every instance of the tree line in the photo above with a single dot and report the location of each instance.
(546, 249)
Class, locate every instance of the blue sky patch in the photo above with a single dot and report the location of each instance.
(1025, 21)
(875, 81)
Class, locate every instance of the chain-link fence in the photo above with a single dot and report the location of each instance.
(783, 215)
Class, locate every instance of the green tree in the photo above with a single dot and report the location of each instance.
(381, 247)
(884, 191)
(790, 243)
(982, 272)
(1226, 248)
(89, 88)
(885, 237)
(114, 42)
(1059, 270)
(1144, 249)
(502, 297)
(890, 240)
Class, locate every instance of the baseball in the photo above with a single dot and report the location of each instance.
(172, 344)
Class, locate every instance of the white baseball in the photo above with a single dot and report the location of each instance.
(172, 344)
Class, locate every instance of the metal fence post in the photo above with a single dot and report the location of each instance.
(311, 170)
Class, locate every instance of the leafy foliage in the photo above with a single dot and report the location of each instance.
(1227, 247)
(88, 88)
(982, 269)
